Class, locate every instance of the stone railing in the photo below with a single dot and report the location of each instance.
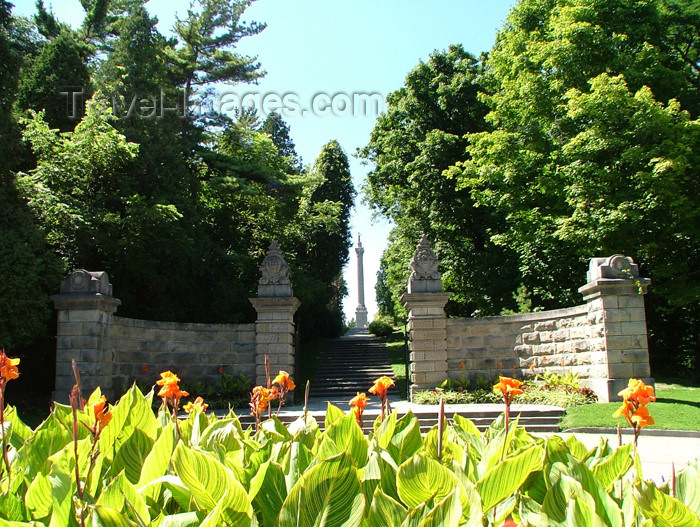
(604, 341)
(113, 352)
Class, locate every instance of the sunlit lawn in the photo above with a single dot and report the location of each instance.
(676, 408)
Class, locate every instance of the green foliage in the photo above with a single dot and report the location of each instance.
(421, 135)
(594, 108)
(229, 391)
(561, 391)
(381, 327)
(60, 66)
(176, 204)
(578, 136)
(207, 470)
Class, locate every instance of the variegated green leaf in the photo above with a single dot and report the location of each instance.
(327, 495)
(210, 481)
(385, 511)
(662, 509)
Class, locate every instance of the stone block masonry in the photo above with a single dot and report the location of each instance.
(114, 352)
(603, 341)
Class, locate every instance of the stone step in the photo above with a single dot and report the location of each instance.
(533, 421)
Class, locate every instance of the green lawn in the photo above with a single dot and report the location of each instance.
(397, 357)
(676, 408)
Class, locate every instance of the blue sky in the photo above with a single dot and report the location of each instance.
(328, 50)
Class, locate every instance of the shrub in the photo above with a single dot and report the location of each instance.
(380, 327)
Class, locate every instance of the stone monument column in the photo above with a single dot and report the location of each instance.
(361, 311)
(427, 322)
(274, 328)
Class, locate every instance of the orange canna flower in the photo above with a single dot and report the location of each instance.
(500, 365)
(359, 401)
(221, 370)
(381, 386)
(508, 387)
(284, 381)
(639, 392)
(170, 389)
(167, 377)
(462, 365)
(144, 368)
(102, 417)
(197, 404)
(626, 410)
(641, 417)
(8, 367)
(260, 398)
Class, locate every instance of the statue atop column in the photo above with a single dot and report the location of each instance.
(361, 311)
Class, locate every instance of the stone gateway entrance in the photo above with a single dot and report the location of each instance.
(603, 341)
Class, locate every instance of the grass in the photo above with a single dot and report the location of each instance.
(676, 408)
(397, 357)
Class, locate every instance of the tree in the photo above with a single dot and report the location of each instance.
(29, 271)
(50, 81)
(413, 147)
(206, 41)
(594, 109)
(275, 127)
(321, 236)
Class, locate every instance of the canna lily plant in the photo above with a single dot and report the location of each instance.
(634, 406)
(508, 388)
(216, 473)
(8, 372)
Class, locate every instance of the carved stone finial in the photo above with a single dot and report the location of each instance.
(274, 269)
(425, 277)
(275, 274)
(613, 267)
(86, 282)
(425, 262)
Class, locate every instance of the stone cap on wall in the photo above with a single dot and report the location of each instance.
(82, 289)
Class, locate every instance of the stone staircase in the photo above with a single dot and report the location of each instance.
(351, 364)
(535, 418)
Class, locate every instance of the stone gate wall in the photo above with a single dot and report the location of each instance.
(113, 352)
(604, 341)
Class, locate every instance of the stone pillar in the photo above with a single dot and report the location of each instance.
(85, 308)
(274, 328)
(615, 298)
(361, 311)
(425, 302)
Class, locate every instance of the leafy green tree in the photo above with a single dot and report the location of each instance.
(321, 238)
(50, 81)
(278, 130)
(594, 108)
(413, 146)
(29, 271)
